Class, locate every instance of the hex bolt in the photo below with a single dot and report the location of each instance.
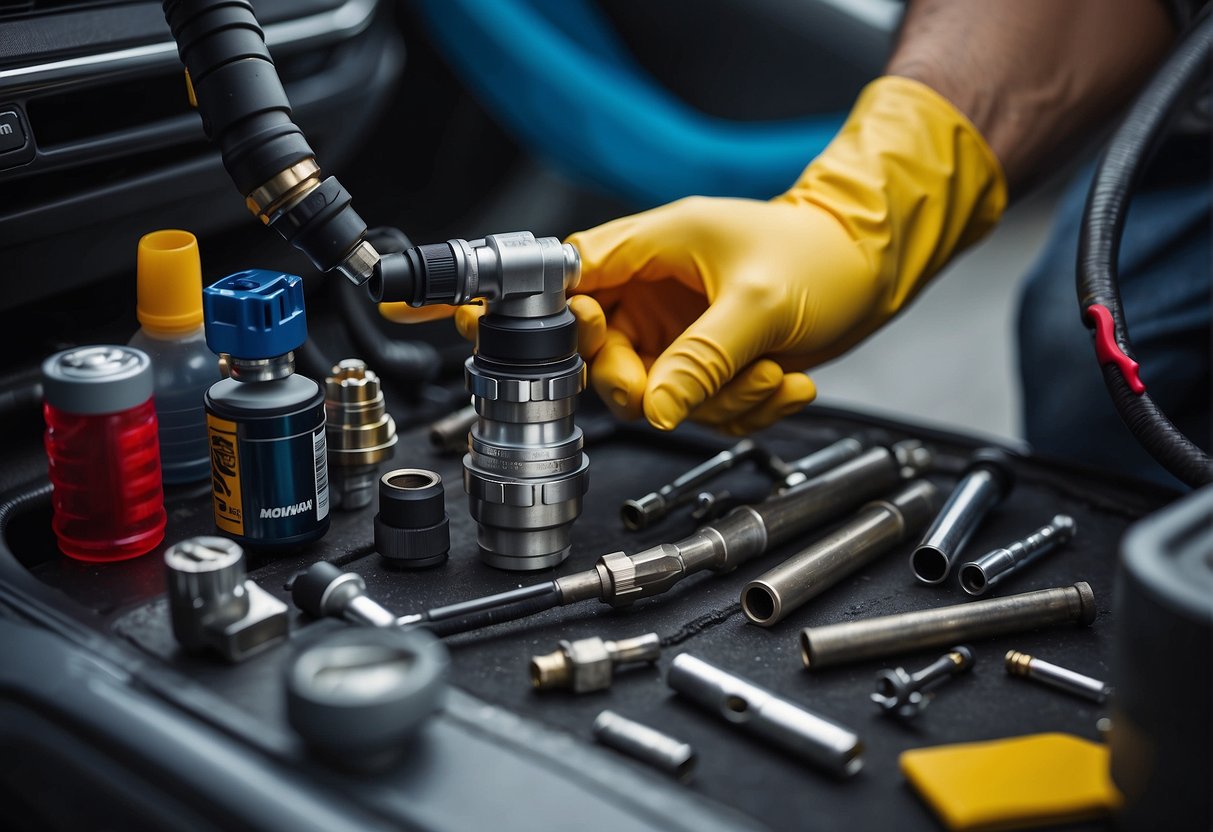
(902, 693)
(588, 664)
(978, 576)
(1056, 676)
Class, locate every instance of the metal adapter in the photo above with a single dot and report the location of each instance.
(588, 664)
(211, 604)
(902, 693)
(525, 472)
(359, 431)
(758, 711)
(978, 576)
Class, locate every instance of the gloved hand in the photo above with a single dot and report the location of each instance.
(713, 305)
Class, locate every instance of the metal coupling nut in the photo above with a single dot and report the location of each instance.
(588, 664)
(359, 432)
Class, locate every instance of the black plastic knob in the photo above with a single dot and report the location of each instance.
(412, 529)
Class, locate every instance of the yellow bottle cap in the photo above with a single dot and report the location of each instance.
(169, 282)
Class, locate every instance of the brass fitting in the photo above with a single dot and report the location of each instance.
(284, 190)
(360, 432)
(587, 664)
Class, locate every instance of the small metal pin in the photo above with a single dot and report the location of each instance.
(1056, 676)
(902, 693)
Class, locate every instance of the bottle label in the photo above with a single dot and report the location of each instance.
(225, 475)
(320, 461)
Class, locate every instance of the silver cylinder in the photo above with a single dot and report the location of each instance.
(978, 576)
(450, 433)
(205, 587)
(875, 529)
(525, 472)
(646, 744)
(1056, 676)
(983, 487)
(754, 709)
(890, 635)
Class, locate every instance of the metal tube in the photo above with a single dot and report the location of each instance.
(817, 463)
(875, 529)
(450, 433)
(906, 632)
(985, 483)
(654, 506)
(807, 735)
(646, 744)
(1056, 676)
(978, 576)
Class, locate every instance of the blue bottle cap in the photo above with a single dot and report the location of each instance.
(255, 314)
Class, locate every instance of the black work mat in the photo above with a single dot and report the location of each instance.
(699, 616)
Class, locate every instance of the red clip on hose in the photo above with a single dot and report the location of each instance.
(1107, 351)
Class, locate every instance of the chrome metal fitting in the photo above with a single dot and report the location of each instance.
(213, 607)
(1056, 676)
(661, 751)
(259, 369)
(588, 664)
(903, 694)
(760, 712)
(978, 576)
(358, 265)
(360, 433)
(889, 635)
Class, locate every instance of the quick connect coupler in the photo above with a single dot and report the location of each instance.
(525, 471)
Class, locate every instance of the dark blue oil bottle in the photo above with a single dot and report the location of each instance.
(269, 460)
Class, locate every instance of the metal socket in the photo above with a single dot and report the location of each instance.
(978, 576)
(661, 751)
(809, 736)
(875, 529)
(986, 481)
(890, 635)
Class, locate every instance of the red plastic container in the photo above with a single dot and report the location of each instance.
(104, 455)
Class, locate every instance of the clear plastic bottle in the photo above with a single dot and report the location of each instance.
(172, 334)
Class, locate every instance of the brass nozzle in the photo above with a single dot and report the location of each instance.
(550, 671)
(359, 431)
(1018, 664)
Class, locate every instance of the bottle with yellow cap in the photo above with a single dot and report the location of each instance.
(171, 333)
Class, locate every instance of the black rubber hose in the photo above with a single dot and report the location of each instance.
(245, 112)
(1119, 170)
(33, 496)
(508, 606)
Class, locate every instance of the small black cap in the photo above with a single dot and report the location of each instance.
(412, 529)
(308, 588)
(394, 279)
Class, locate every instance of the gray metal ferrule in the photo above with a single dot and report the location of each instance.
(491, 386)
(646, 744)
(97, 379)
(978, 576)
(261, 369)
(758, 711)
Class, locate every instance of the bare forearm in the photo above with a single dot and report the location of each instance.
(1034, 76)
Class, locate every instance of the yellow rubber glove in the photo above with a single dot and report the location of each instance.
(713, 305)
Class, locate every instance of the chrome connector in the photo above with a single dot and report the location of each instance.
(588, 664)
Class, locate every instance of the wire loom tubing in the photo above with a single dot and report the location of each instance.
(1116, 176)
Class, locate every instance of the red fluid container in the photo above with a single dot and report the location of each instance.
(104, 454)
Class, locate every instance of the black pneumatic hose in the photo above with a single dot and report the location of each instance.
(1118, 173)
(245, 112)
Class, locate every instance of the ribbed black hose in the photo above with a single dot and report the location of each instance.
(245, 112)
(33, 496)
(1120, 168)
